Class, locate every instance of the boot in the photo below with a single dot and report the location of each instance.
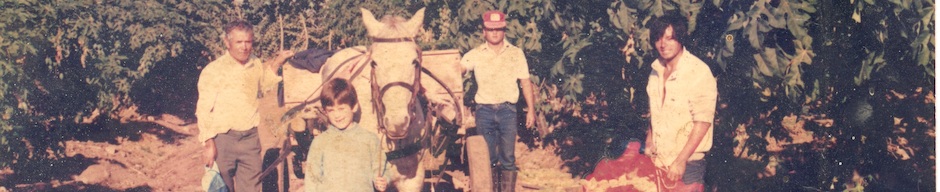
(508, 181)
(495, 179)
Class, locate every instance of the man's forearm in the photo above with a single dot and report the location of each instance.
(274, 64)
(527, 94)
(699, 129)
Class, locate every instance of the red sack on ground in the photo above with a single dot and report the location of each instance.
(631, 171)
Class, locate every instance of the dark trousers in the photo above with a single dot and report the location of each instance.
(694, 172)
(239, 159)
(498, 123)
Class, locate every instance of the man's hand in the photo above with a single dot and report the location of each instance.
(676, 170)
(530, 119)
(380, 183)
(284, 55)
(650, 149)
(280, 58)
(529, 95)
(209, 152)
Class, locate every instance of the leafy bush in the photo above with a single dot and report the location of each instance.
(805, 86)
(69, 64)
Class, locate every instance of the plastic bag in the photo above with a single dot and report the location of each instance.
(212, 180)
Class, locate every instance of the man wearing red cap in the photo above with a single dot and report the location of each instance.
(497, 66)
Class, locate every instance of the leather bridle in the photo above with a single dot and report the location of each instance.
(415, 87)
(379, 91)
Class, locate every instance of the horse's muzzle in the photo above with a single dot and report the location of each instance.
(397, 126)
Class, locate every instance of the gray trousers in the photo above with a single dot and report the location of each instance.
(694, 172)
(239, 159)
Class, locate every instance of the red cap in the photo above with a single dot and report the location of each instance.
(494, 19)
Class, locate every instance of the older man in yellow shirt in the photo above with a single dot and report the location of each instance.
(227, 110)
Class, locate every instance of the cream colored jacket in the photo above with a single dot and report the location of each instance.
(691, 95)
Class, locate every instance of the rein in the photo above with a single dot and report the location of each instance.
(378, 92)
(358, 67)
(285, 148)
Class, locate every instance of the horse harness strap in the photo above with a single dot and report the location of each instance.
(408, 150)
(285, 149)
(377, 91)
(313, 97)
(405, 151)
(392, 40)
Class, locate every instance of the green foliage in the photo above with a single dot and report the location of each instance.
(632, 17)
(779, 44)
(67, 62)
(299, 25)
(64, 64)
(901, 36)
(849, 41)
(589, 99)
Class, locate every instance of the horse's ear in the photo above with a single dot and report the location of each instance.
(372, 25)
(415, 22)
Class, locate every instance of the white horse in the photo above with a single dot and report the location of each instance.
(386, 75)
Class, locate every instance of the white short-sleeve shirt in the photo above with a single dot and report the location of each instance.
(496, 72)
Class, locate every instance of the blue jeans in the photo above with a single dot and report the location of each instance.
(498, 123)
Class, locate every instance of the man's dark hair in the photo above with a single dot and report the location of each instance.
(338, 91)
(680, 28)
(237, 24)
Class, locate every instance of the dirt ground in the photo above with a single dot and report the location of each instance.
(161, 153)
(163, 156)
(151, 163)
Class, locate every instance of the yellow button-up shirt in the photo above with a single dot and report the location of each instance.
(691, 95)
(496, 72)
(229, 93)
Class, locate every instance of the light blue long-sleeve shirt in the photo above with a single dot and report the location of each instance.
(343, 160)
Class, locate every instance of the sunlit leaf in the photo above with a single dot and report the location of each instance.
(752, 34)
(762, 65)
(777, 22)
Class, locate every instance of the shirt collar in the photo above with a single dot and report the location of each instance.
(658, 66)
(252, 61)
(486, 46)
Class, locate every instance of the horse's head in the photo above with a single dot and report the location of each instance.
(395, 58)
